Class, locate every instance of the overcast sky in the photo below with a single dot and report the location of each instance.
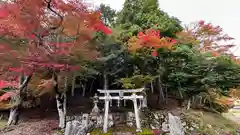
(225, 13)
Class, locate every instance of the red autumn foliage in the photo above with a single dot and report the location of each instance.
(151, 38)
(7, 95)
(4, 84)
(209, 37)
(215, 54)
(102, 27)
(55, 32)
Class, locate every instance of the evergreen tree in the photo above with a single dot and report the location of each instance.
(108, 14)
(139, 15)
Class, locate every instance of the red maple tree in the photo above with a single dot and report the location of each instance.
(40, 23)
(51, 35)
(152, 39)
(207, 37)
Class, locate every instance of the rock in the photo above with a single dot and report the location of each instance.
(175, 125)
(85, 119)
(69, 118)
(184, 124)
(194, 125)
(79, 127)
(99, 122)
(130, 119)
(72, 127)
(110, 120)
(78, 118)
(165, 127)
(162, 116)
(209, 126)
(156, 116)
(191, 129)
(155, 122)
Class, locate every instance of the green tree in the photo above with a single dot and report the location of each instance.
(108, 14)
(111, 62)
(139, 15)
(190, 73)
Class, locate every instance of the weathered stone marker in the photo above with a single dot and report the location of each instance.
(175, 125)
(108, 98)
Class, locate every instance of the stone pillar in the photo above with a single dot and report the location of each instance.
(138, 125)
(106, 109)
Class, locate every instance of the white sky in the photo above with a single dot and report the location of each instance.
(225, 13)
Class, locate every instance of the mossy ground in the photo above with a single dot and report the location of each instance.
(145, 131)
(3, 123)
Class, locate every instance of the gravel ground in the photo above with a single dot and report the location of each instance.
(32, 127)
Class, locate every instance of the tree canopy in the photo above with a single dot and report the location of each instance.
(139, 15)
(141, 46)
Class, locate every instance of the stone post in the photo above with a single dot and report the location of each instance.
(106, 108)
(136, 113)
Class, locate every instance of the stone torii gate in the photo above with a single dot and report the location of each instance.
(108, 98)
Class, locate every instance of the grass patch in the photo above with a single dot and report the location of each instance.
(145, 131)
(58, 132)
(212, 123)
(3, 123)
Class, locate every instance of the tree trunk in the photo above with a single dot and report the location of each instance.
(166, 95)
(14, 116)
(73, 84)
(91, 86)
(161, 97)
(189, 104)
(61, 107)
(61, 100)
(83, 89)
(105, 78)
(15, 111)
(152, 89)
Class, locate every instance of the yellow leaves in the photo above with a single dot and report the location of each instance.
(71, 25)
(235, 93)
(224, 101)
(41, 84)
(154, 41)
(185, 37)
(45, 86)
(132, 44)
(75, 26)
(85, 51)
(5, 105)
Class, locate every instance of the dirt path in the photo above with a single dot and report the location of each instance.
(33, 127)
(35, 121)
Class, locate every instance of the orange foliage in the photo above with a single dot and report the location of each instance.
(235, 93)
(151, 39)
(5, 105)
(224, 101)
